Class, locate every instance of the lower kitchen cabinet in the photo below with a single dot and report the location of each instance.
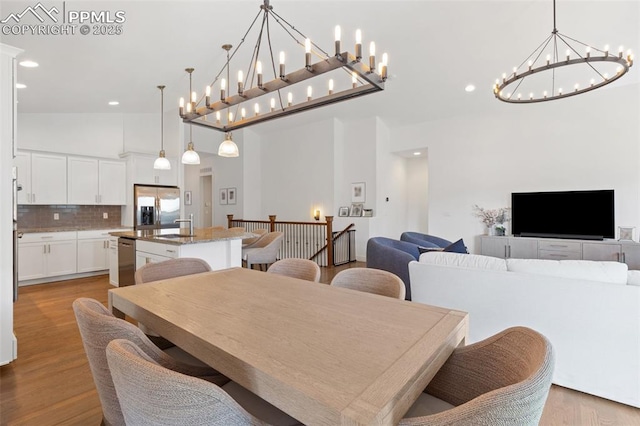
(113, 261)
(93, 251)
(47, 255)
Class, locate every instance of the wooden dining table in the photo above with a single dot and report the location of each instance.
(324, 355)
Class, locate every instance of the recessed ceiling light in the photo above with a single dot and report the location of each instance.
(21, 86)
(112, 103)
(417, 153)
(470, 88)
(28, 64)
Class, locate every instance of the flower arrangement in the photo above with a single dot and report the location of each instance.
(494, 218)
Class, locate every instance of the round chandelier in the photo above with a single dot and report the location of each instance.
(581, 62)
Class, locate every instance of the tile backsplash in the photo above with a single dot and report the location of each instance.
(31, 216)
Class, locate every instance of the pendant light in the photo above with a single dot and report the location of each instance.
(228, 148)
(161, 162)
(190, 156)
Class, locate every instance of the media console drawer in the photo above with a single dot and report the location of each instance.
(559, 255)
(560, 246)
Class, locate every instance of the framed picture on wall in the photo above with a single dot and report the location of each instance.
(231, 195)
(358, 191)
(187, 198)
(224, 196)
(343, 212)
(356, 210)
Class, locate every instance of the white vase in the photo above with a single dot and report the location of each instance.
(491, 230)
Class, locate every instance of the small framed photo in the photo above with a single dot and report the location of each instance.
(187, 198)
(343, 212)
(367, 212)
(358, 192)
(356, 210)
(625, 233)
(231, 195)
(224, 196)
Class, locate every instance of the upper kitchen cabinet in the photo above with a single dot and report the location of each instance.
(96, 182)
(142, 171)
(43, 178)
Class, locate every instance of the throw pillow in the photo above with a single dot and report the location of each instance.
(456, 247)
(429, 249)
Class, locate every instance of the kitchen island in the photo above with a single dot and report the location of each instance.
(220, 248)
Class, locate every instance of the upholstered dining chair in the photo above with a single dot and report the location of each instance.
(162, 271)
(304, 269)
(370, 280)
(98, 327)
(503, 380)
(265, 251)
(248, 242)
(150, 394)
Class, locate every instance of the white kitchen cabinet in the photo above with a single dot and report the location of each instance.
(49, 254)
(93, 251)
(142, 171)
(152, 252)
(43, 178)
(92, 181)
(113, 261)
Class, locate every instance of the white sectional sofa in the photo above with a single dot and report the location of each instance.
(590, 311)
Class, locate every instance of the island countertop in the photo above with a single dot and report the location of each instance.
(179, 236)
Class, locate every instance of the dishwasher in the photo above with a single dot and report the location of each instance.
(126, 261)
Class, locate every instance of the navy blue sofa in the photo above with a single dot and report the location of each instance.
(424, 240)
(392, 256)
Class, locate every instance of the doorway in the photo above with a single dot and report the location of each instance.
(206, 206)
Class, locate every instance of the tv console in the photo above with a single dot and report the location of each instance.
(561, 249)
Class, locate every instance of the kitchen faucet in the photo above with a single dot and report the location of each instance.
(190, 220)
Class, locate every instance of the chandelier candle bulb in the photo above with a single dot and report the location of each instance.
(189, 108)
(307, 54)
(548, 59)
(358, 45)
(181, 107)
(592, 82)
(560, 91)
(256, 109)
(530, 64)
(354, 79)
(588, 51)
(230, 118)
(606, 50)
(194, 98)
(309, 93)
(568, 55)
(282, 74)
(289, 99)
(207, 98)
(383, 68)
(504, 77)
(217, 117)
(372, 56)
(330, 86)
(259, 72)
(620, 51)
(272, 104)
(240, 83)
(530, 96)
(223, 89)
(545, 94)
(337, 43)
(243, 113)
(576, 87)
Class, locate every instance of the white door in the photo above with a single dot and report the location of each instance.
(206, 204)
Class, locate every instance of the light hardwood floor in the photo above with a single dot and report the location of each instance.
(50, 383)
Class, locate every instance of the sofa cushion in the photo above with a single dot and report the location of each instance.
(633, 278)
(609, 272)
(464, 260)
(456, 247)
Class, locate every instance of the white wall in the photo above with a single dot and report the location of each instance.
(585, 142)
(417, 194)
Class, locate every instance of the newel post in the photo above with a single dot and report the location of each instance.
(229, 221)
(329, 220)
(272, 225)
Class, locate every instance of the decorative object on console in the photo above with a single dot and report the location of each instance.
(536, 64)
(161, 162)
(360, 79)
(493, 219)
(625, 233)
(343, 212)
(356, 210)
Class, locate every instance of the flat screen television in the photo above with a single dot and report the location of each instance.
(563, 214)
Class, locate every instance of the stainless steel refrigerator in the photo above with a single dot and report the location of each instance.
(156, 206)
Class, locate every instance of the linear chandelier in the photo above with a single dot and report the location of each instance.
(232, 111)
(510, 87)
